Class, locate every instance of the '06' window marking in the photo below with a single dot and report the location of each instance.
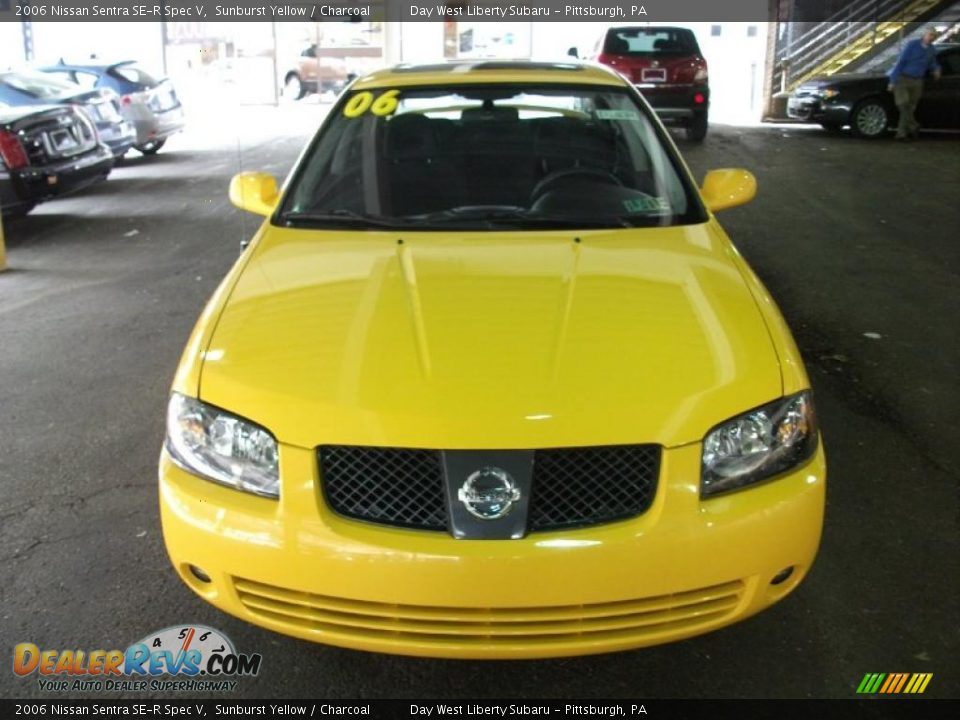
(384, 104)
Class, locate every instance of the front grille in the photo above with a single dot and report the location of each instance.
(571, 487)
(392, 486)
(528, 630)
(585, 486)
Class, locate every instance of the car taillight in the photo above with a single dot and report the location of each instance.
(701, 74)
(126, 100)
(11, 150)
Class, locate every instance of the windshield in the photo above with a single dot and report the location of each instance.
(134, 74)
(38, 85)
(651, 41)
(492, 156)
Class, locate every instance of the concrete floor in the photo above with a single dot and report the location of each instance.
(851, 238)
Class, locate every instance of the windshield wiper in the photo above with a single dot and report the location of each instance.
(492, 216)
(340, 217)
(468, 217)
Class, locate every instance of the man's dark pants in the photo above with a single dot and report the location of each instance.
(906, 94)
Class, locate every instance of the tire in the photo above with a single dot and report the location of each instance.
(870, 119)
(697, 130)
(151, 147)
(293, 87)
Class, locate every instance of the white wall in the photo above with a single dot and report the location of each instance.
(551, 40)
(109, 41)
(736, 64)
(11, 44)
(421, 42)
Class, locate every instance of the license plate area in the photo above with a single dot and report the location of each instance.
(62, 142)
(653, 75)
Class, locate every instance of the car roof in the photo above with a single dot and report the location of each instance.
(490, 71)
(647, 28)
(97, 67)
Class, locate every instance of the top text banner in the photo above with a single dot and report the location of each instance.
(616, 11)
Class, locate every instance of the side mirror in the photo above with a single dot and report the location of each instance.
(728, 188)
(255, 192)
(573, 52)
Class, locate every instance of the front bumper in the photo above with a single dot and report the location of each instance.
(683, 568)
(119, 137)
(812, 109)
(151, 126)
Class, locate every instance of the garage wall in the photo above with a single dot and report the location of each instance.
(421, 42)
(78, 41)
(11, 44)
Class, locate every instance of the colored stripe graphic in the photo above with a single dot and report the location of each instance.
(919, 682)
(894, 683)
(870, 683)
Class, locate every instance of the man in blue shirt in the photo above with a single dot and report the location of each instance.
(906, 80)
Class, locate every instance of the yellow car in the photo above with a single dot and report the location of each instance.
(490, 381)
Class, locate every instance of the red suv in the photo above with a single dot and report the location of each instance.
(666, 66)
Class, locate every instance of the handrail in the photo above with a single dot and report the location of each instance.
(865, 11)
(845, 29)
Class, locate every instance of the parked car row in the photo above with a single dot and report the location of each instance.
(45, 152)
(150, 104)
(863, 102)
(63, 127)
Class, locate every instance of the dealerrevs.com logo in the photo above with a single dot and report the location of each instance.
(186, 658)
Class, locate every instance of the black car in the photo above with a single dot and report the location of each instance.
(28, 87)
(863, 102)
(45, 152)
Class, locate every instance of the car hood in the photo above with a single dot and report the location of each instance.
(490, 340)
(846, 78)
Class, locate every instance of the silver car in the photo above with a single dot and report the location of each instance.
(149, 103)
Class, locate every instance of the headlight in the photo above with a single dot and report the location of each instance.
(828, 93)
(759, 444)
(221, 447)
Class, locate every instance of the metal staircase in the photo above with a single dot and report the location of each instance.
(863, 27)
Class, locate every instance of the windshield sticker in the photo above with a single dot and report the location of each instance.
(618, 115)
(647, 204)
(384, 104)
